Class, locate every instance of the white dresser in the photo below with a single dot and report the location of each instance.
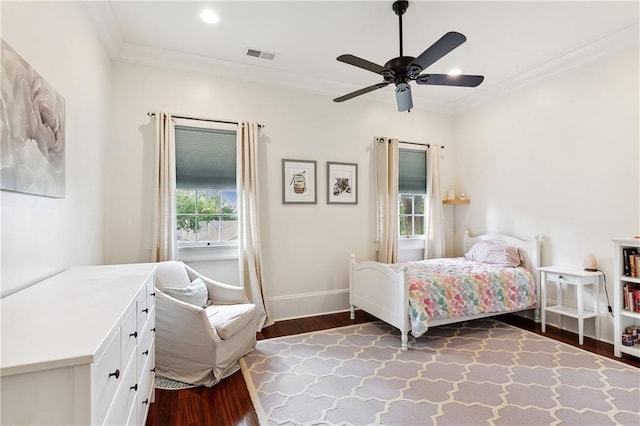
(78, 348)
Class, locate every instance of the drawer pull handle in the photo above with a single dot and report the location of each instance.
(115, 374)
(134, 334)
(153, 370)
(134, 387)
(145, 310)
(146, 352)
(153, 329)
(146, 401)
(560, 277)
(153, 294)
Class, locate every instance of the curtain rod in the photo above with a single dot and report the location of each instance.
(213, 120)
(420, 144)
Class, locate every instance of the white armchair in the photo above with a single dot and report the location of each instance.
(197, 344)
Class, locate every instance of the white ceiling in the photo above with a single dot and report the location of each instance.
(510, 43)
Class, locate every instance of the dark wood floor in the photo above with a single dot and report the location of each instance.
(229, 403)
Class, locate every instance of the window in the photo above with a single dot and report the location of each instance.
(206, 195)
(206, 216)
(412, 189)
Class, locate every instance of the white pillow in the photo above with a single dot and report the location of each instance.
(494, 252)
(195, 293)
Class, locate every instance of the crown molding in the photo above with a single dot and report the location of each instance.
(599, 49)
(119, 50)
(168, 59)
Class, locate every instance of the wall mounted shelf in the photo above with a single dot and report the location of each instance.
(456, 201)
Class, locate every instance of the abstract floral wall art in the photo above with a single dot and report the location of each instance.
(32, 130)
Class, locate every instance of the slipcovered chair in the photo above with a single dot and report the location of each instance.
(202, 326)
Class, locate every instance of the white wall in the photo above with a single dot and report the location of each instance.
(558, 159)
(305, 247)
(41, 236)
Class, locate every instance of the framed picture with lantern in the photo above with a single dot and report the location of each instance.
(299, 183)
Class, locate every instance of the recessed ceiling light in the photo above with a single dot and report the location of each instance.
(209, 16)
(454, 72)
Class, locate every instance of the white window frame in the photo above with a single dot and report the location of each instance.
(412, 147)
(412, 215)
(204, 243)
(227, 250)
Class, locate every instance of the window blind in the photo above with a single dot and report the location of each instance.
(412, 171)
(205, 158)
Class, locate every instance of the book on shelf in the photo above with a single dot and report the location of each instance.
(631, 297)
(630, 261)
(630, 335)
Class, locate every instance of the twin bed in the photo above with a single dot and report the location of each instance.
(498, 275)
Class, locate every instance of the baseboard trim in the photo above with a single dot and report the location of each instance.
(301, 305)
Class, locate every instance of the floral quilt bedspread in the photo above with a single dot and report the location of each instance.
(456, 287)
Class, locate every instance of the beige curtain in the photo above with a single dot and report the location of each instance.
(164, 235)
(434, 243)
(249, 230)
(386, 170)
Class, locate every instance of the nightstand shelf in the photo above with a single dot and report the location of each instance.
(567, 276)
(570, 311)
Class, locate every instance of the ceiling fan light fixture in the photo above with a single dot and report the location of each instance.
(403, 97)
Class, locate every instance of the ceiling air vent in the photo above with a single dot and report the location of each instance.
(260, 54)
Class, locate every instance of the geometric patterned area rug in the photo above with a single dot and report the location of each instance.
(478, 372)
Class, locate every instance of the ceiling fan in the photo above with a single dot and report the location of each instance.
(403, 69)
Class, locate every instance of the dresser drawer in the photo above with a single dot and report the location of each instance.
(130, 335)
(144, 348)
(562, 278)
(145, 301)
(125, 399)
(107, 375)
(145, 393)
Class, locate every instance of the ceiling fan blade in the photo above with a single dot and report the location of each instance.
(361, 92)
(444, 45)
(361, 63)
(450, 80)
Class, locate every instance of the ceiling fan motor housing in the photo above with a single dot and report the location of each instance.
(402, 68)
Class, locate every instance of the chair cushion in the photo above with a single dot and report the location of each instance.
(195, 293)
(171, 274)
(229, 319)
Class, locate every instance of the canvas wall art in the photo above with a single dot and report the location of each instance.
(32, 130)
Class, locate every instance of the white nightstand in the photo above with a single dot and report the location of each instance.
(571, 276)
